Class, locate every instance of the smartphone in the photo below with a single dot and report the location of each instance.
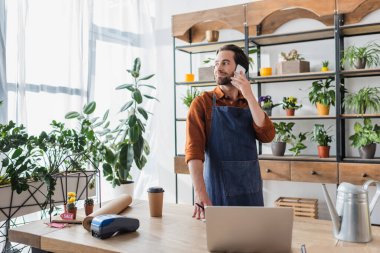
(238, 69)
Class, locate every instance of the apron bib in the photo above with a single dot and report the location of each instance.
(231, 171)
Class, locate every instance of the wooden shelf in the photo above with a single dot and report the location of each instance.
(277, 39)
(302, 117)
(292, 77)
(198, 83)
(297, 158)
(355, 116)
(361, 72)
(209, 47)
(362, 29)
(360, 160)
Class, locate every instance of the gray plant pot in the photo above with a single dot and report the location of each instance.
(360, 63)
(268, 111)
(278, 148)
(367, 152)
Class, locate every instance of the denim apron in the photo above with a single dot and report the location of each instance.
(231, 171)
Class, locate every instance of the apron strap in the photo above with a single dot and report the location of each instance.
(213, 99)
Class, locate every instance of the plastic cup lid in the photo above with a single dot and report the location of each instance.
(155, 189)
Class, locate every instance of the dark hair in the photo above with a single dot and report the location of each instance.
(239, 56)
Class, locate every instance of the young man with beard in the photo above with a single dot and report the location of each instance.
(221, 132)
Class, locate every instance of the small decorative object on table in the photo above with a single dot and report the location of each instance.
(189, 77)
(325, 66)
(266, 104)
(88, 206)
(289, 104)
(292, 62)
(71, 204)
(266, 71)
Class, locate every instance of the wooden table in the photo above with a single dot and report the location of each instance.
(175, 232)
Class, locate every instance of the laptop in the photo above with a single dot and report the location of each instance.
(249, 229)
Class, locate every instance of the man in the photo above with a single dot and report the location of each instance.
(221, 131)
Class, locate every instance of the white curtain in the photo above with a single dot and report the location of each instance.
(60, 54)
(3, 78)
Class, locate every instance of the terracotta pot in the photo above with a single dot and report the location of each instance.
(324, 151)
(278, 148)
(290, 112)
(323, 109)
(73, 211)
(368, 152)
(88, 209)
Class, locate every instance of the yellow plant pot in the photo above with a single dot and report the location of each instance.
(189, 77)
(323, 109)
(265, 71)
(324, 69)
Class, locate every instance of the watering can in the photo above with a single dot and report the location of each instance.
(351, 216)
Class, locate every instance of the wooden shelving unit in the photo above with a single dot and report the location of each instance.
(292, 77)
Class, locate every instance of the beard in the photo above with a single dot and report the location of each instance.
(225, 80)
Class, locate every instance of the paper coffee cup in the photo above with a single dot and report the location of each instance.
(156, 197)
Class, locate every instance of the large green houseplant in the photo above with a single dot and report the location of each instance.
(360, 57)
(367, 98)
(129, 145)
(322, 94)
(365, 138)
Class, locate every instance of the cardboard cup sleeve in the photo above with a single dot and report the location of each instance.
(115, 206)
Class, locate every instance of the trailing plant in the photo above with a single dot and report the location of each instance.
(367, 55)
(191, 94)
(129, 145)
(365, 134)
(297, 144)
(320, 135)
(290, 103)
(89, 202)
(322, 92)
(365, 99)
(17, 162)
(283, 131)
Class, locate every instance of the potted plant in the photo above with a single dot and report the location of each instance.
(365, 138)
(71, 204)
(289, 104)
(88, 206)
(362, 57)
(267, 105)
(366, 98)
(206, 72)
(325, 66)
(320, 135)
(292, 62)
(297, 143)
(191, 94)
(283, 135)
(129, 145)
(322, 95)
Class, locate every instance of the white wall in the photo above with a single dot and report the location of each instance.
(315, 52)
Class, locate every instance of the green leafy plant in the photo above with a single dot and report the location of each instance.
(322, 92)
(266, 102)
(290, 103)
(129, 145)
(360, 57)
(297, 144)
(325, 64)
(283, 131)
(89, 202)
(191, 94)
(320, 135)
(365, 134)
(366, 98)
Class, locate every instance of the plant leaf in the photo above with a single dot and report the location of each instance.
(137, 96)
(147, 85)
(142, 112)
(124, 86)
(89, 108)
(126, 106)
(146, 77)
(150, 97)
(72, 115)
